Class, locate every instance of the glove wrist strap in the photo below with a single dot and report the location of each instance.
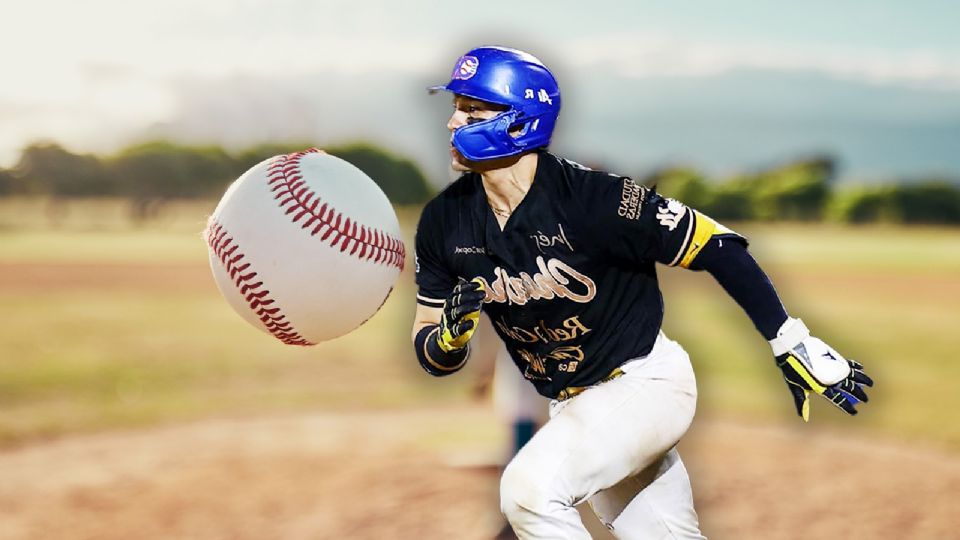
(790, 334)
(445, 345)
(435, 360)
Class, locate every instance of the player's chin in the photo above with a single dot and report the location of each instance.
(459, 163)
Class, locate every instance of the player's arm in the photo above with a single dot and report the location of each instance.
(441, 335)
(808, 364)
(649, 226)
(448, 307)
(424, 317)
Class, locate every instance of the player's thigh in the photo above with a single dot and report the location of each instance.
(608, 432)
(626, 424)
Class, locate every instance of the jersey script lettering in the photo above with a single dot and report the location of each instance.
(572, 329)
(555, 279)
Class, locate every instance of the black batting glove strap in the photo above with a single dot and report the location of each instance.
(433, 359)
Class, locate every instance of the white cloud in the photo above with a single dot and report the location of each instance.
(100, 70)
(661, 56)
(90, 73)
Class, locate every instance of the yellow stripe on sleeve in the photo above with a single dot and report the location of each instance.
(703, 228)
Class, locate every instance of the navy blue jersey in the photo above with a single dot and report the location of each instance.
(570, 279)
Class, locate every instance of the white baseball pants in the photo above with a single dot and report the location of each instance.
(613, 445)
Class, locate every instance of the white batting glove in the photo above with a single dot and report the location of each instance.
(810, 365)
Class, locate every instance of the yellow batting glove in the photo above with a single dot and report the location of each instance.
(461, 315)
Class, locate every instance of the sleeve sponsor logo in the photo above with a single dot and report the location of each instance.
(671, 214)
(631, 199)
(554, 279)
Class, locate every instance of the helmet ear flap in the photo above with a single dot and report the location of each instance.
(524, 127)
(489, 139)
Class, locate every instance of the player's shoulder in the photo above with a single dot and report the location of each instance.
(599, 189)
(585, 178)
(572, 170)
(453, 197)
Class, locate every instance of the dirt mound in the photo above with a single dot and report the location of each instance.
(388, 475)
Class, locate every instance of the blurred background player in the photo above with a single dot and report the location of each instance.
(516, 403)
(562, 259)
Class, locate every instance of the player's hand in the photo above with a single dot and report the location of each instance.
(810, 365)
(461, 314)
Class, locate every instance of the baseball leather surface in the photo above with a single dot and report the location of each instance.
(305, 246)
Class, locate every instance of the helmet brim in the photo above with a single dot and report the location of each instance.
(460, 92)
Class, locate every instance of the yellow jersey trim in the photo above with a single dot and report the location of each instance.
(703, 229)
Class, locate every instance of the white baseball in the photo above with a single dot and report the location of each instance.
(305, 246)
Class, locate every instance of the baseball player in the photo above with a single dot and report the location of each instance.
(562, 259)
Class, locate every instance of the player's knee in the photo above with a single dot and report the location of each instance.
(523, 492)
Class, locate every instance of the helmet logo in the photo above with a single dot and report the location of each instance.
(542, 96)
(466, 67)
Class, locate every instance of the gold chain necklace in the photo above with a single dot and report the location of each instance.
(499, 211)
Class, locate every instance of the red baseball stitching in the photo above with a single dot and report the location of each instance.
(286, 181)
(243, 276)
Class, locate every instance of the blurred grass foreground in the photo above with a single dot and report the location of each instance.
(111, 324)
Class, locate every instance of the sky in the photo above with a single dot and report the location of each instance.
(723, 85)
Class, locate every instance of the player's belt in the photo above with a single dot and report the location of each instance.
(571, 391)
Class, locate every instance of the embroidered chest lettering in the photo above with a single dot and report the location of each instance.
(553, 279)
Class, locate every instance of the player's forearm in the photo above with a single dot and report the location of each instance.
(739, 274)
(443, 348)
(433, 358)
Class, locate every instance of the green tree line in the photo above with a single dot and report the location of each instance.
(799, 190)
(804, 190)
(161, 170)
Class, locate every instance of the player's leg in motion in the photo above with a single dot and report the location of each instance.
(618, 435)
(656, 503)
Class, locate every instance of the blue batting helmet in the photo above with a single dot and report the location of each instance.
(506, 77)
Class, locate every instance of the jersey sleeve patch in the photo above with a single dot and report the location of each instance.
(631, 200)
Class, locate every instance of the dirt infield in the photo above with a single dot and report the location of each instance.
(383, 475)
(72, 276)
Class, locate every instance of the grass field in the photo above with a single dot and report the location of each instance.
(108, 325)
